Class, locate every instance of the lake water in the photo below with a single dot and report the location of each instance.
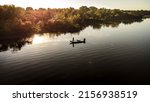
(111, 55)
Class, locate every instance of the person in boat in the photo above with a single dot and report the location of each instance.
(84, 39)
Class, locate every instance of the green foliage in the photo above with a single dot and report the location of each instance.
(16, 20)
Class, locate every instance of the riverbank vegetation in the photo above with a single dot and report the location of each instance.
(20, 21)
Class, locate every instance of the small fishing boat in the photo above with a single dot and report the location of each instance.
(77, 41)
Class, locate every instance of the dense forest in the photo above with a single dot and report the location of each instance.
(20, 21)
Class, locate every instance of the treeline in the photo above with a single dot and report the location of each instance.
(17, 20)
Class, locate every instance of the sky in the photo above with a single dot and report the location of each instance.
(118, 4)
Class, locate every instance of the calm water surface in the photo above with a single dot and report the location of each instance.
(111, 55)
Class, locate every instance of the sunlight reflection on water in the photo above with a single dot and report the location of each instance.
(37, 39)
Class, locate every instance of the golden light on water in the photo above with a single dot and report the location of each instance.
(37, 39)
(44, 38)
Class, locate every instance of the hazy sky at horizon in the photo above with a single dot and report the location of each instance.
(120, 4)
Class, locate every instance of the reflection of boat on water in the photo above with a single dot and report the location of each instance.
(77, 41)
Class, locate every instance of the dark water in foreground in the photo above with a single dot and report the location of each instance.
(119, 55)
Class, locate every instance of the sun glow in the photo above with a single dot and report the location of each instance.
(37, 39)
(38, 3)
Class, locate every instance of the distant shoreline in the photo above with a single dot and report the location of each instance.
(20, 21)
(76, 7)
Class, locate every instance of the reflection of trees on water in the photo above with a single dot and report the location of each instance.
(113, 24)
(15, 44)
(130, 21)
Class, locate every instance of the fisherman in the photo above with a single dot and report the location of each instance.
(84, 40)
